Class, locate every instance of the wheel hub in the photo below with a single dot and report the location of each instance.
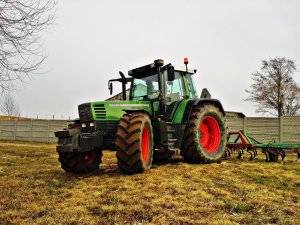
(89, 159)
(145, 145)
(209, 134)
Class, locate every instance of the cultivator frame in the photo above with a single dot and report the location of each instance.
(271, 150)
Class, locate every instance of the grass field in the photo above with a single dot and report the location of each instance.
(34, 190)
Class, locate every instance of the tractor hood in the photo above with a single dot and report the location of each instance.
(113, 110)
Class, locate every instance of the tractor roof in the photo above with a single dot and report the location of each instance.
(183, 69)
(148, 70)
(151, 69)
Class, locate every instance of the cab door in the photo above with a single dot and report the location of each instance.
(174, 94)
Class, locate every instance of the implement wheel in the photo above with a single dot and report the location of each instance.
(272, 155)
(75, 162)
(134, 143)
(204, 138)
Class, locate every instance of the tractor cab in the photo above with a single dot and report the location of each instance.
(163, 85)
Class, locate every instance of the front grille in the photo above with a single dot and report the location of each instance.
(100, 111)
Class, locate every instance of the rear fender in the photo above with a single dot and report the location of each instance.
(201, 101)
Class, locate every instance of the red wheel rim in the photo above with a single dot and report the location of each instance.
(145, 144)
(210, 135)
(90, 158)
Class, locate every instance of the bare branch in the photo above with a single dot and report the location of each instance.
(21, 22)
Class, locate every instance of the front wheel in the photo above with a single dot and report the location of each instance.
(75, 162)
(134, 143)
(204, 138)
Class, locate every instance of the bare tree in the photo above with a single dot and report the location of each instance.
(9, 106)
(274, 89)
(20, 24)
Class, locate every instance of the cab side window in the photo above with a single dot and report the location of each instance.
(174, 89)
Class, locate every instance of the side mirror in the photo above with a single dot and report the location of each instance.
(171, 73)
(110, 87)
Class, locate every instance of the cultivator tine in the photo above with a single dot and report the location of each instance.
(255, 152)
(252, 152)
(282, 154)
(249, 151)
(240, 153)
(267, 155)
(226, 153)
(298, 155)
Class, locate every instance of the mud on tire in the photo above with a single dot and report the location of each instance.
(134, 143)
(204, 138)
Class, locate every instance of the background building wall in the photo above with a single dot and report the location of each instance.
(285, 129)
(31, 130)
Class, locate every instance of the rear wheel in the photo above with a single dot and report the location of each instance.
(75, 162)
(204, 138)
(134, 143)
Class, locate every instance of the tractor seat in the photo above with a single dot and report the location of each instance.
(173, 97)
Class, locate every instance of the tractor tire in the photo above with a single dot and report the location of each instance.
(75, 162)
(134, 143)
(204, 138)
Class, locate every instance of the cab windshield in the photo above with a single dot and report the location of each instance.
(145, 88)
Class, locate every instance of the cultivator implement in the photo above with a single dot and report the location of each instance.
(239, 141)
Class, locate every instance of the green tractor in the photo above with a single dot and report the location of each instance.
(162, 114)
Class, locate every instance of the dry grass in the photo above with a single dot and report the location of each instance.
(34, 190)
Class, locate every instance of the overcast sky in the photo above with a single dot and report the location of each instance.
(224, 40)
